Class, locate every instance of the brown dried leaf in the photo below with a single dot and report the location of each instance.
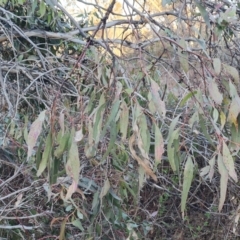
(35, 130)
(223, 181)
(139, 160)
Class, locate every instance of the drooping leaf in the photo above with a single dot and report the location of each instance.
(46, 154)
(62, 230)
(141, 177)
(98, 119)
(34, 132)
(95, 201)
(158, 145)
(234, 144)
(228, 162)
(139, 160)
(229, 15)
(89, 107)
(42, 8)
(211, 171)
(222, 119)
(199, 97)
(194, 119)
(39, 153)
(140, 145)
(204, 129)
(111, 144)
(171, 151)
(234, 111)
(73, 162)
(71, 189)
(187, 97)
(215, 115)
(233, 72)
(113, 113)
(144, 133)
(232, 90)
(118, 90)
(187, 180)
(63, 142)
(183, 55)
(124, 120)
(223, 181)
(208, 171)
(61, 122)
(90, 149)
(217, 65)
(159, 104)
(77, 223)
(172, 126)
(203, 12)
(105, 189)
(215, 93)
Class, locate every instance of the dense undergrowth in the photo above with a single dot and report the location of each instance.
(100, 146)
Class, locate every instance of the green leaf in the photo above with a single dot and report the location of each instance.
(46, 154)
(124, 120)
(171, 151)
(186, 98)
(187, 180)
(113, 194)
(229, 15)
(39, 153)
(193, 120)
(95, 201)
(158, 145)
(79, 215)
(73, 162)
(211, 164)
(111, 144)
(42, 9)
(166, 2)
(89, 107)
(20, 57)
(113, 113)
(222, 119)
(204, 129)
(105, 189)
(215, 115)
(98, 123)
(199, 97)
(77, 223)
(203, 12)
(63, 143)
(217, 65)
(141, 177)
(223, 181)
(172, 126)
(145, 135)
(183, 55)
